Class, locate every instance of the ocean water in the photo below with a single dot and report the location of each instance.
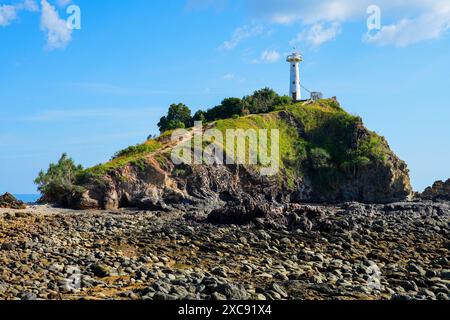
(28, 198)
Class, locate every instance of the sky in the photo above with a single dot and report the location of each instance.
(102, 84)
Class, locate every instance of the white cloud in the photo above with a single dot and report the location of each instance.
(8, 13)
(57, 33)
(404, 22)
(267, 56)
(63, 3)
(270, 56)
(228, 76)
(306, 11)
(241, 34)
(29, 5)
(318, 34)
(428, 26)
(231, 77)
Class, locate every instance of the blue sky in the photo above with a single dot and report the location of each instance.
(93, 91)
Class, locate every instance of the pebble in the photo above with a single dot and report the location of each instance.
(129, 255)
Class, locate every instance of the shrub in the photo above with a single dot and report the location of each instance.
(140, 163)
(148, 147)
(282, 101)
(319, 159)
(59, 180)
(372, 148)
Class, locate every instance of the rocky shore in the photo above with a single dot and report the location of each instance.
(348, 251)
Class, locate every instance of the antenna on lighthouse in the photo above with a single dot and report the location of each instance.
(294, 60)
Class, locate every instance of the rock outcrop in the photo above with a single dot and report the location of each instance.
(440, 191)
(8, 201)
(358, 166)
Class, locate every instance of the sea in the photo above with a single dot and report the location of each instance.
(27, 198)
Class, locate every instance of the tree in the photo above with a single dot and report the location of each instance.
(262, 101)
(227, 109)
(162, 124)
(178, 116)
(199, 116)
(59, 180)
(232, 107)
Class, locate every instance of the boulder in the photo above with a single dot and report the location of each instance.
(8, 201)
(440, 191)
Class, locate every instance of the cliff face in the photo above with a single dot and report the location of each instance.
(326, 155)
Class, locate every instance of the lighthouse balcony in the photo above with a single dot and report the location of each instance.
(295, 57)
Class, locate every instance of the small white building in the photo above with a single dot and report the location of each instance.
(294, 60)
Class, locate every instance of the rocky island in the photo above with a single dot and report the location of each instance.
(326, 155)
(339, 220)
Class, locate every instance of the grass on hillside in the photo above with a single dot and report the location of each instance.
(133, 155)
(328, 135)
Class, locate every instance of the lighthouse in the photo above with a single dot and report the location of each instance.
(294, 60)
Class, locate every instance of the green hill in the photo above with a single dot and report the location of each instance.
(326, 155)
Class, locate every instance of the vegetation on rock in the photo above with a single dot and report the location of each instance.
(148, 147)
(178, 116)
(325, 155)
(59, 180)
(261, 101)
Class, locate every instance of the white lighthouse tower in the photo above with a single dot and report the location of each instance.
(294, 59)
